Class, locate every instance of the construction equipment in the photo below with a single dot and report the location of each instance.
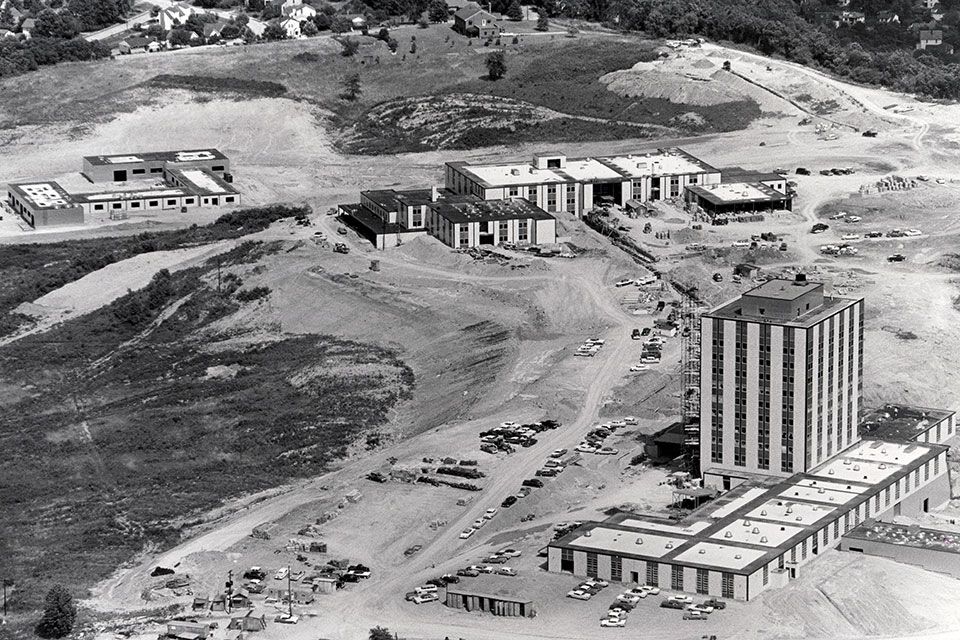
(690, 310)
(341, 248)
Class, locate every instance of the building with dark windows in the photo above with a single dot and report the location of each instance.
(556, 183)
(781, 379)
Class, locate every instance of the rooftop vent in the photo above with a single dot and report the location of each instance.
(639, 541)
(800, 278)
(702, 551)
(763, 539)
(728, 534)
(755, 530)
(746, 523)
(737, 557)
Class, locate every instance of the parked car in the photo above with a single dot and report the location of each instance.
(506, 571)
(422, 598)
(628, 597)
(558, 453)
(466, 533)
(508, 502)
(533, 482)
(694, 615)
(700, 607)
(489, 513)
(546, 473)
(803, 171)
(678, 597)
(510, 553)
(873, 234)
(650, 589)
(426, 588)
(579, 594)
(819, 228)
(449, 578)
(612, 622)
(410, 595)
(645, 332)
(624, 283)
(718, 277)
(639, 368)
(715, 603)
(897, 257)
(468, 573)
(672, 604)
(281, 574)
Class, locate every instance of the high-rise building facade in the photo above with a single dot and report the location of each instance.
(781, 372)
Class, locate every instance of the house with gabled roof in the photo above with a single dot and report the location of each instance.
(474, 21)
(176, 15)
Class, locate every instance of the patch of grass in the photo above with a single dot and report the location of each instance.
(28, 271)
(125, 437)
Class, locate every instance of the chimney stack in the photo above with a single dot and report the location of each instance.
(434, 194)
(801, 278)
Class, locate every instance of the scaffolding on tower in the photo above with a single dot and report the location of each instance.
(690, 310)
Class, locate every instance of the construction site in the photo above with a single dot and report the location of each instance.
(544, 476)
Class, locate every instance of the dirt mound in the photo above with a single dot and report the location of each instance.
(646, 80)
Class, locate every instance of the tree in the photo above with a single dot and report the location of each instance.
(413, 47)
(423, 23)
(438, 11)
(255, 5)
(230, 31)
(341, 24)
(350, 47)
(496, 65)
(180, 37)
(309, 29)
(514, 11)
(380, 633)
(51, 24)
(270, 12)
(383, 34)
(6, 16)
(195, 23)
(351, 87)
(59, 614)
(94, 14)
(543, 24)
(393, 45)
(322, 20)
(274, 31)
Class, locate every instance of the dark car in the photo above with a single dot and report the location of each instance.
(803, 171)
(508, 502)
(533, 482)
(897, 257)
(468, 573)
(255, 574)
(448, 578)
(672, 604)
(715, 603)
(437, 582)
(873, 234)
(645, 332)
(819, 228)
(546, 473)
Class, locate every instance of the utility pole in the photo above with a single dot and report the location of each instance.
(289, 596)
(218, 273)
(229, 603)
(6, 583)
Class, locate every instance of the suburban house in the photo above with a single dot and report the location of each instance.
(27, 27)
(851, 18)
(213, 29)
(137, 44)
(257, 27)
(5, 33)
(473, 21)
(291, 27)
(929, 38)
(176, 15)
(298, 12)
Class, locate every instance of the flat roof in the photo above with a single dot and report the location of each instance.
(830, 306)
(763, 522)
(901, 422)
(719, 555)
(181, 155)
(739, 174)
(42, 195)
(672, 161)
(202, 182)
(486, 210)
(911, 536)
(737, 192)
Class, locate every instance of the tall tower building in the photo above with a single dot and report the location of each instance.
(781, 371)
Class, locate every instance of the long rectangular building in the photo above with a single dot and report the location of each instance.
(134, 166)
(760, 537)
(781, 375)
(558, 184)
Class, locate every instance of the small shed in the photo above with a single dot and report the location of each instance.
(248, 622)
(265, 530)
(746, 270)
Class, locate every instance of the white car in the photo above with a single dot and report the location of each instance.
(656, 340)
(466, 533)
(638, 368)
(284, 618)
(628, 597)
(630, 420)
(506, 571)
(558, 453)
(425, 597)
(489, 513)
(578, 594)
(509, 553)
(616, 424)
(585, 448)
(607, 451)
(853, 219)
(281, 574)
(702, 608)
(623, 283)
(680, 598)
(850, 236)
(740, 244)
(649, 589)
(613, 622)
(912, 232)
(596, 341)
(482, 568)
(593, 582)
(479, 522)
(509, 424)
(638, 592)
(427, 588)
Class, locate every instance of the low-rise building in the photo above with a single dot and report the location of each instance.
(931, 549)
(123, 167)
(474, 22)
(559, 184)
(929, 38)
(135, 44)
(910, 424)
(760, 536)
(734, 198)
(497, 595)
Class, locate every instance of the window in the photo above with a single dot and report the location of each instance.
(416, 217)
(116, 205)
(676, 577)
(156, 170)
(636, 189)
(803, 550)
(215, 201)
(134, 205)
(836, 528)
(566, 560)
(571, 198)
(171, 203)
(503, 231)
(217, 168)
(703, 581)
(138, 172)
(674, 186)
(726, 585)
(522, 235)
(653, 574)
(766, 574)
(464, 235)
(514, 192)
(98, 207)
(551, 197)
(188, 201)
(591, 564)
(417, 213)
(154, 203)
(616, 568)
(694, 179)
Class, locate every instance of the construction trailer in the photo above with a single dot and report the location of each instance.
(499, 604)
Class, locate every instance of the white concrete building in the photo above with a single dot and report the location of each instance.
(781, 381)
(557, 184)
